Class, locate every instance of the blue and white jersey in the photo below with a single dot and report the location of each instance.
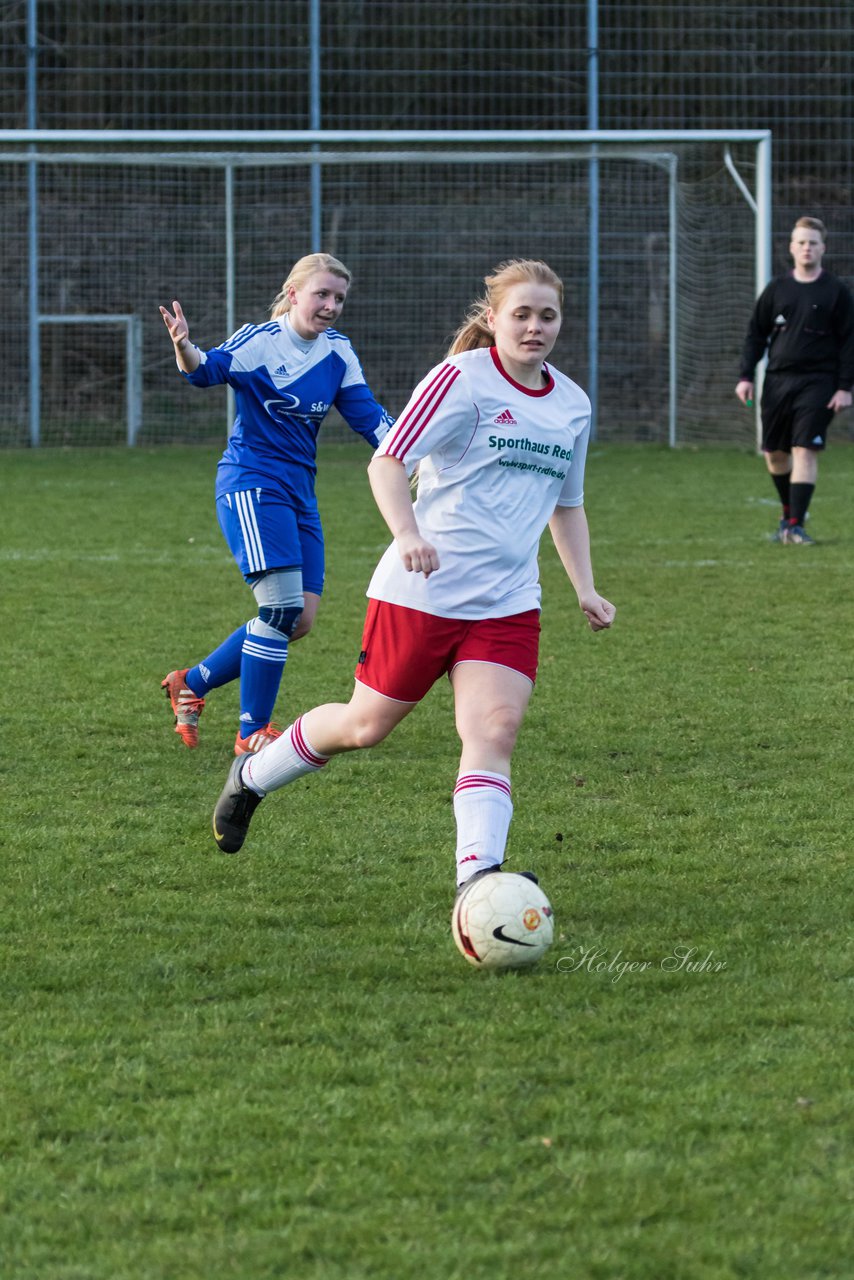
(284, 387)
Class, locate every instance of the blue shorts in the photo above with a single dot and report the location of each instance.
(264, 532)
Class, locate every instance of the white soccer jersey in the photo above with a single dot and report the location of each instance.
(495, 459)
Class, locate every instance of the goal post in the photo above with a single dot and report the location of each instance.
(132, 328)
(111, 223)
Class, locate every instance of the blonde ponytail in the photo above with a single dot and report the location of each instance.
(474, 331)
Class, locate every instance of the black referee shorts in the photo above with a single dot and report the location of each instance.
(794, 410)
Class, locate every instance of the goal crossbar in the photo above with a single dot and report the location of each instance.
(319, 148)
(318, 137)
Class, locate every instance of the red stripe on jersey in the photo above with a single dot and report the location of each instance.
(302, 748)
(470, 780)
(412, 422)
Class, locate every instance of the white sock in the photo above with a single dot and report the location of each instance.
(282, 761)
(483, 809)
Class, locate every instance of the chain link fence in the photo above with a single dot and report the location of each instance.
(121, 243)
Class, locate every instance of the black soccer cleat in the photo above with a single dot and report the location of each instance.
(234, 809)
(488, 871)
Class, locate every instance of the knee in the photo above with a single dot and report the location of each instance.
(778, 462)
(498, 729)
(365, 731)
(311, 602)
(281, 602)
(303, 626)
(364, 726)
(505, 737)
(281, 618)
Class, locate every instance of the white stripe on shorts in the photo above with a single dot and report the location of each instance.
(249, 528)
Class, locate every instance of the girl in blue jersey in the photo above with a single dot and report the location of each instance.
(286, 376)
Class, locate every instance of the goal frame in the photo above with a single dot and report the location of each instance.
(322, 147)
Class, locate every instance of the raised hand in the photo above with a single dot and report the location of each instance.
(176, 324)
(186, 354)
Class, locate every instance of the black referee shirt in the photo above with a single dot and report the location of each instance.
(805, 327)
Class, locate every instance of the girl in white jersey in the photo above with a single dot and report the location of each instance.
(499, 439)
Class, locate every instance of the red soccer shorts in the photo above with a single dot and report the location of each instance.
(405, 651)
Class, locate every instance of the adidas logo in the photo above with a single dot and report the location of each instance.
(281, 372)
(505, 419)
(815, 440)
(781, 319)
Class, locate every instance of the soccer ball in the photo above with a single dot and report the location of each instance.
(502, 921)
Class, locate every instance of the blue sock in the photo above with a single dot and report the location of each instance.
(220, 667)
(261, 670)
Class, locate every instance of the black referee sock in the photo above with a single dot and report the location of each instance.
(783, 487)
(799, 501)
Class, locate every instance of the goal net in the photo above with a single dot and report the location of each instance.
(101, 228)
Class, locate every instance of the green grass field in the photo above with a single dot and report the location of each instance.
(276, 1064)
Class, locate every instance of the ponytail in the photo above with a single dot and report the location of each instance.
(475, 331)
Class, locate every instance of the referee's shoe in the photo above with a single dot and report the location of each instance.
(797, 536)
(234, 809)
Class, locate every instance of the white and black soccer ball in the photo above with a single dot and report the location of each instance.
(502, 921)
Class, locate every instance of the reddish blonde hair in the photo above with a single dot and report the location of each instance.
(811, 224)
(474, 331)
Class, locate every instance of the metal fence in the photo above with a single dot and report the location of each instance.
(333, 64)
(123, 225)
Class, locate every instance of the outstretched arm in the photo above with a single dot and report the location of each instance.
(186, 355)
(390, 487)
(568, 527)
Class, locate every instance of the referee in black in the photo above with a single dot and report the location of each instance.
(805, 322)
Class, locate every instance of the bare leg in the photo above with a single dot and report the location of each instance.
(308, 615)
(778, 462)
(490, 703)
(804, 465)
(348, 726)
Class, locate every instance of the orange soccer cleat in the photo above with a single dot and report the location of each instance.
(186, 705)
(257, 740)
